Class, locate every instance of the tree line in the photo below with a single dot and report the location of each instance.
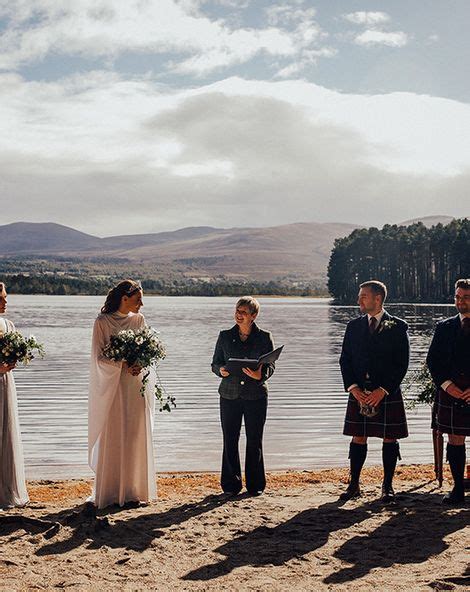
(59, 284)
(418, 264)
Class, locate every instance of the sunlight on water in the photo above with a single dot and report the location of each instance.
(306, 399)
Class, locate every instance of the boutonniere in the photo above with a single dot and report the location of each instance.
(387, 324)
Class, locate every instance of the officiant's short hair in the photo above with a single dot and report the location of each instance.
(463, 283)
(249, 301)
(376, 287)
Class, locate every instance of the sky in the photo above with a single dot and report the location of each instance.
(133, 116)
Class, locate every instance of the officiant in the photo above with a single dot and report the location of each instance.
(243, 397)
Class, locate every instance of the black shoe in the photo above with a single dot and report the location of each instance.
(454, 498)
(231, 493)
(256, 493)
(388, 495)
(351, 492)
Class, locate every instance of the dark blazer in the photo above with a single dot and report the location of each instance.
(384, 356)
(442, 358)
(229, 345)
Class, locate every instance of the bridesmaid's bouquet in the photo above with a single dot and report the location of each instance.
(14, 348)
(141, 348)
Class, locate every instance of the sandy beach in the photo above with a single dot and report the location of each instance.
(297, 536)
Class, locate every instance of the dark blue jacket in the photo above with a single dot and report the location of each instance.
(383, 356)
(442, 359)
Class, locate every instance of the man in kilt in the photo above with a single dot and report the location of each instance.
(449, 363)
(374, 360)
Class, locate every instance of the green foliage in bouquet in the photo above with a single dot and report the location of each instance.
(419, 387)
(15, 349)
(141, 348)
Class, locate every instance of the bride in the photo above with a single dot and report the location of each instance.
(120, 420)
(12, 481)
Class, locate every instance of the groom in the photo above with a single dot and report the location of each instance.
(374, 360)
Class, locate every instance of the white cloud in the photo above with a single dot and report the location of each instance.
(373, 37)
(107, 29)
(308, 57)
(367, 18)
(112, 155)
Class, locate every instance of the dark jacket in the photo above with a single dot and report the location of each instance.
(445, 360)
(383, 356)
(229, 345)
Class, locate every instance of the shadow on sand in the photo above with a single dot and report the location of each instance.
(413, 533)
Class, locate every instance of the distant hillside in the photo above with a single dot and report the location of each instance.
(26, 237)
(293, 251)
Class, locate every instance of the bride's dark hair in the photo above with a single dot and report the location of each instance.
(114, 297)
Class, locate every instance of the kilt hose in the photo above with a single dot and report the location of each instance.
(390, 421)
(450, 415)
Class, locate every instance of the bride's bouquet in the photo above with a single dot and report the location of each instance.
(141, 348)
(14, 348)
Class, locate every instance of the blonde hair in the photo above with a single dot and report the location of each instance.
(249, 301)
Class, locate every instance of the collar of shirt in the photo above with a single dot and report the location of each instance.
(462, 317)
(378, 316)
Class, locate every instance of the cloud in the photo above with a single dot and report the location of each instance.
(367, 18)
(307, 58)
(373, 37)
(106, 29)
(109, 155)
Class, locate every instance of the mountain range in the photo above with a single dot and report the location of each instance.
(297, 251)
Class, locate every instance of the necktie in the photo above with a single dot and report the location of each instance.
(372, 325)
(466, 326)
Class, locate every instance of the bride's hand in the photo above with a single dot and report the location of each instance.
(4, 368)
(135, 370)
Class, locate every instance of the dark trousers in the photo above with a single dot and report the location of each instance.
(232, 411)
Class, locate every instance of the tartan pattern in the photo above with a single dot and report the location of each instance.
(390, 421)
(449, 418)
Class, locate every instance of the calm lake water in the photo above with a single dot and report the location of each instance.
(306, 399)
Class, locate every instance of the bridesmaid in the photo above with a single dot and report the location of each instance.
(120, 420)
(12, 481)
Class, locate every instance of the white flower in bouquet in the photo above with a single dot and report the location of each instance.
(14, 348)
(141, 348)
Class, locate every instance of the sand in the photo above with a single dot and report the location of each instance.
(297, 536)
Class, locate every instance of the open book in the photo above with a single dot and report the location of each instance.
(235, 365)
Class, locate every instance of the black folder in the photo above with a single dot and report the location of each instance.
(234, 365)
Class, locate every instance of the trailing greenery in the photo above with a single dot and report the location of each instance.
(418, 387)
(418, 264)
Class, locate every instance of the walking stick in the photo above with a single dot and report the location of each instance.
(438, 445)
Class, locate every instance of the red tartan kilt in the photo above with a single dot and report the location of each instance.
(449, 416)
(390, 421)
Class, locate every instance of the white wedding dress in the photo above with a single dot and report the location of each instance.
(120, 422)
(12, 481)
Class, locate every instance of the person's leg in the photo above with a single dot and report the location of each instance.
(390, 455)
(231, 419)
(456, 458)
(255, 418)
(357, 457)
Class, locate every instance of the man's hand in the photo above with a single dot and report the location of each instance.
(454, 391)
(359, 395)
(224, 372)
(4, 368)
(256, 374)
(375, 397)
(466, 395)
